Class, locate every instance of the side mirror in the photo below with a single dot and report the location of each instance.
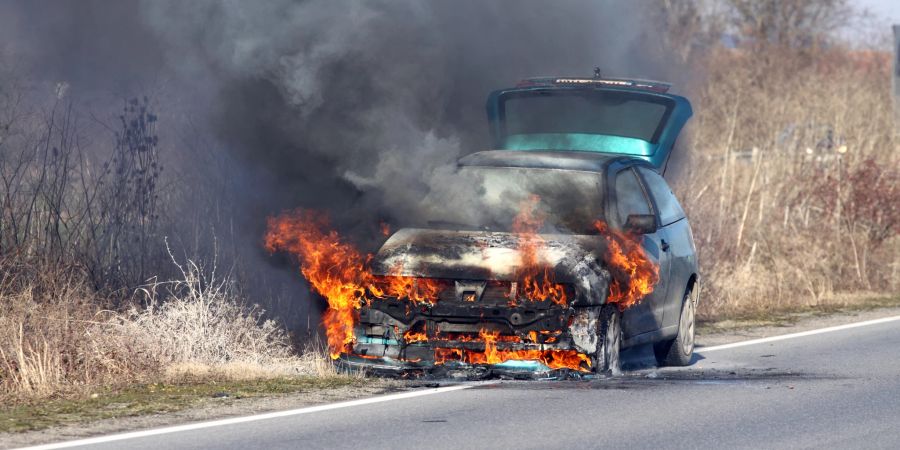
(640, 223)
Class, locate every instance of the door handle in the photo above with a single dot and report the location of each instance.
(665, 245)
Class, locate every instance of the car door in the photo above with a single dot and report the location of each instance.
(680, 243)
(631, 198)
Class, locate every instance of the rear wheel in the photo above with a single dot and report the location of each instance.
(606, 359)
(679, 351)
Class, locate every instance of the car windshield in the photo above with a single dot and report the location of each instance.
(491, 197)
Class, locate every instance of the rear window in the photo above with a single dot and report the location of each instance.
(621, 114)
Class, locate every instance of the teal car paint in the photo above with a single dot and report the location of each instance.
(584, 142)
(614, 116)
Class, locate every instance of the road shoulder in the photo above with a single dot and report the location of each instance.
(232, 401)
(209, 403)
(730, 331)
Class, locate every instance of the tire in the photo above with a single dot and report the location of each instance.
(680, 351)
(606, 360)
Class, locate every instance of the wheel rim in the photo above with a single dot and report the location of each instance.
(686, 326)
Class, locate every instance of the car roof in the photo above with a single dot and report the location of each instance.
(555, 159)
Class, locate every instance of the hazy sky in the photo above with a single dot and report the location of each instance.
(889, 9)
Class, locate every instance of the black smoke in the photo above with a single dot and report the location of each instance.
(353, 107)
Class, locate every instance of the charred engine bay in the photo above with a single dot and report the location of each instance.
(482, 322)
(429, 300)
(491, 255)
(400, 338)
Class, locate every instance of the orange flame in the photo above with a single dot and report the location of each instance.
(554, 359)
(417, 290)
(337, 271)
(634, 275)
(334, 269)
(411, 336)
(536, 280)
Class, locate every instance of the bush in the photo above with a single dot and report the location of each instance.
(56, 339)
(793, 188)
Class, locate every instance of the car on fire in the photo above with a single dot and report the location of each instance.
(553, 251)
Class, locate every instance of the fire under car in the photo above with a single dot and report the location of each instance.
(553, 251)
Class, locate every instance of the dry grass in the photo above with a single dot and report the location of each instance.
(208, 396)
(197, 326)
(78, 234)
(793, 189)
(46, 339)
(56, 340)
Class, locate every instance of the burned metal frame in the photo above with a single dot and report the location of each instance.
(467, 307)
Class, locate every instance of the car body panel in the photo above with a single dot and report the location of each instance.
(647, 316)
(584, 142)
(681, 252)
(476, 256)
(655, 149)
(486, 255)
(485, 262)
(683, 259)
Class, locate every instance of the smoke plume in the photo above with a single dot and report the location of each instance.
(353, 107)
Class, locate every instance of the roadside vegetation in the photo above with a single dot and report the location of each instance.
(59, 338)
(108, 402)
(91, 294)
(792, 181)
(791, 184)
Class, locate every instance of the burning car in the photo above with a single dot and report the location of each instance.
(552, 252)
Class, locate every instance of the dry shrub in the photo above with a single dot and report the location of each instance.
(48, 334)
(793, 191)
(63, 203)
(56, 339)
(198, 324)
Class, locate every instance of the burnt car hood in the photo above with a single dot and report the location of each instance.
(488, 255)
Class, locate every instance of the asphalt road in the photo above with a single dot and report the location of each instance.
(838, 389)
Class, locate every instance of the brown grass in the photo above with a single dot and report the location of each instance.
(793, 189)
(56, 340)
(46, 344)
(791, 184)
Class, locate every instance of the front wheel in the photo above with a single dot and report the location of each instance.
(606, 359)
(680, 351)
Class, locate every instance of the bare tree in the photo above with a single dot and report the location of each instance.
(691, 26)
(790, 23)
(124, 220)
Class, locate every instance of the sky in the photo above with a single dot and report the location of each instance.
(872, 30)
(888, 9)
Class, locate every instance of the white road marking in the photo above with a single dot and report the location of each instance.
(404, 395)
(245, 419)
(796, 335)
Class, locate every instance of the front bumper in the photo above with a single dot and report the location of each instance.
(527, 340)
(389, 367)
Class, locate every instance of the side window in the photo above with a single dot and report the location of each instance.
(669, 209)
(630, 197)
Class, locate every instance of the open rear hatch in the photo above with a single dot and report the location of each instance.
(623, 117)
